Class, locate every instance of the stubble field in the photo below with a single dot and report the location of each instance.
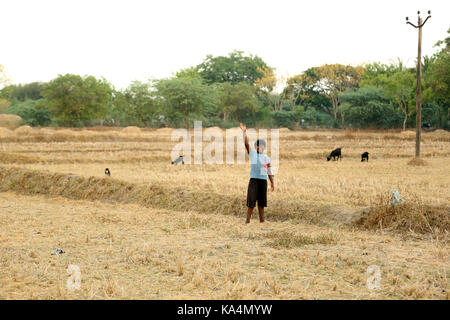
(158, 231)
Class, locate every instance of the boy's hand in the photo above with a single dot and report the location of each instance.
(244, 128)
(272, 186)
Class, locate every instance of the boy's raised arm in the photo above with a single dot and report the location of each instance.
(244, 132)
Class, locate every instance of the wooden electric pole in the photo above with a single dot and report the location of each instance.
(419, 26)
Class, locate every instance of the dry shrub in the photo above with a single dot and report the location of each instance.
(24, 130)
(285, 130)
(417, 162)
(4, 133)
(132, 130)
(413, 215)
(10, 120)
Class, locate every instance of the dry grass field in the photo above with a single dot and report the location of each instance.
(158, 231)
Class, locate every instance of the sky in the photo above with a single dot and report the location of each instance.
(126, 40)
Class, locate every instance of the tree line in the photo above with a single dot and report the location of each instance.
(225, 90)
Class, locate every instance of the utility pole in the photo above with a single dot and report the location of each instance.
(419, 26)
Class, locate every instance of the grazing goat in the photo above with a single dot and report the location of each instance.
(107, 172)
(336, 153)
(365, 156)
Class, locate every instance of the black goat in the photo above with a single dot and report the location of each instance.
(365, 156)
(107, 172)
(336, 153)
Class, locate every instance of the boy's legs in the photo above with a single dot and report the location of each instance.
(249, 214)
(261, 213)
(252, 195)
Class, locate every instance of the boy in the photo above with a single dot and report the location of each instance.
(260, 169)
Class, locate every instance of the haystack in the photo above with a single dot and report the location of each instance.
(24, 130)
(213, 130)
(66, 133)
(408, 134)
(46, 131)
(164, 131)
(10, 120)
(132, 130)
(5, 133)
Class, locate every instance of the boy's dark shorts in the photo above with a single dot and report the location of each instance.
(257, 191)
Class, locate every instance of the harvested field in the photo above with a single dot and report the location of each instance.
(160, 231)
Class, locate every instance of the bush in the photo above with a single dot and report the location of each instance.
(32, 112)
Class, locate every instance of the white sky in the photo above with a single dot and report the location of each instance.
(125, 40)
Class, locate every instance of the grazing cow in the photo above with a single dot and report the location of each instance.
(365, 156)
(107, 172)
(336, 153)
(178, 160)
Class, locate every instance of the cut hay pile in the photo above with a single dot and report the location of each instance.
(11, 158)
(66, 133)
(417, 162)
(411, 216)
(408, 134)
(5, 133)
(164, 130)
(24, 130)
(46, 131)
(155, 195)
(132, 130)
(438, 132)
(90, 133)
(285, 130)
(214, 130)
(10, 120)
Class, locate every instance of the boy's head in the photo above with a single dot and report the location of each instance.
(260, 145)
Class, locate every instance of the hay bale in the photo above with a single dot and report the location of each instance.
(46, 131)
(439, 132)
(408, 134)
(4, 133)
(24, 130)
(10, 120)
(417, 162)
(164, 131)
(66, 132)
(214, 130)
(132, 130)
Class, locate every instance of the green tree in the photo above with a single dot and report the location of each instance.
(238, 101)
(74, 100)
(437, 82)
(369, 107)
(23, 92)
(185, 97)
(399, 85)
(136, 104)
(233, 68)
(33, 112)
(326, 81)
